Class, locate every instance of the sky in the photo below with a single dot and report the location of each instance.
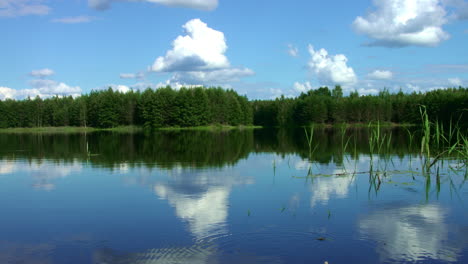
(262, 49)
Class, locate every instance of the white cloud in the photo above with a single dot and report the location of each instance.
(367, 91)
(293, 50)
(220, 76)
(42, 88)
(42, 73)
(139, 75)
(412, 88)
(302, 87)
(206, 5)
(199, 58)
(7, 93)
(398, 23)
(14, 8)
(202, 48)
(380, 75)
(121, 88)
(74, 20)
(455, 81)
(48, 88)
(331, 70)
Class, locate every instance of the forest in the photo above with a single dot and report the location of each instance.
(200, 106)
(164, 107)
(330, 106)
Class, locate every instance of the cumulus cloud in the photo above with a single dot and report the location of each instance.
(293, 50)
(199, 58)
(302, 87)
(399, 23)
(330, 69)
(206, 5)
(202, 48)
(42, 73)
(74, 20)
(380, 75)
(455, 81)
(14, 8)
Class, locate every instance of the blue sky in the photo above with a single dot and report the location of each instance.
(260, 48)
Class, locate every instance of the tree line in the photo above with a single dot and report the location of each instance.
(330, 106)
(163, 107)
(200, 106)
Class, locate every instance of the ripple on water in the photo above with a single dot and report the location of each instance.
(271, 245)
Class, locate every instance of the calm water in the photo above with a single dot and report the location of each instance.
(231, 197)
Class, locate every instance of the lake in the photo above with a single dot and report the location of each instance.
(239, 196)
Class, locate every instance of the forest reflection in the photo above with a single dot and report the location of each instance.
(196, 149)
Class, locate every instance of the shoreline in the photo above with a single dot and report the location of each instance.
(121, 129)
(134, 129)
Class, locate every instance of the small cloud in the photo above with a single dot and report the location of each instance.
(413, 88)
(7, 93)
(293, 50)
(455, 81)
(206, 5)
(367, 91)
(15, 8)
(302, 87)
(42, 73)
(331, 69)
(139, 75)
(74, 20)
(380, 75)
(221, 76)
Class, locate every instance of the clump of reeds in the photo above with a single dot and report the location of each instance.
(310, 137)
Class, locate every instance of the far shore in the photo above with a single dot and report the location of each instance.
(123, 129)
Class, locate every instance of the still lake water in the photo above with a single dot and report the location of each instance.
(226, 197)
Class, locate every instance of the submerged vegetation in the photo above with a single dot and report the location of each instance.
(437, 145)
(216, 107)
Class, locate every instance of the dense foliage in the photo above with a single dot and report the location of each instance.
(329, 106)
(152, 109)
(166, 107)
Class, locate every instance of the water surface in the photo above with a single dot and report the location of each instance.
(227, 197)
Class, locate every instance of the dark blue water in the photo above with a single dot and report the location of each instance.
(244, 199)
